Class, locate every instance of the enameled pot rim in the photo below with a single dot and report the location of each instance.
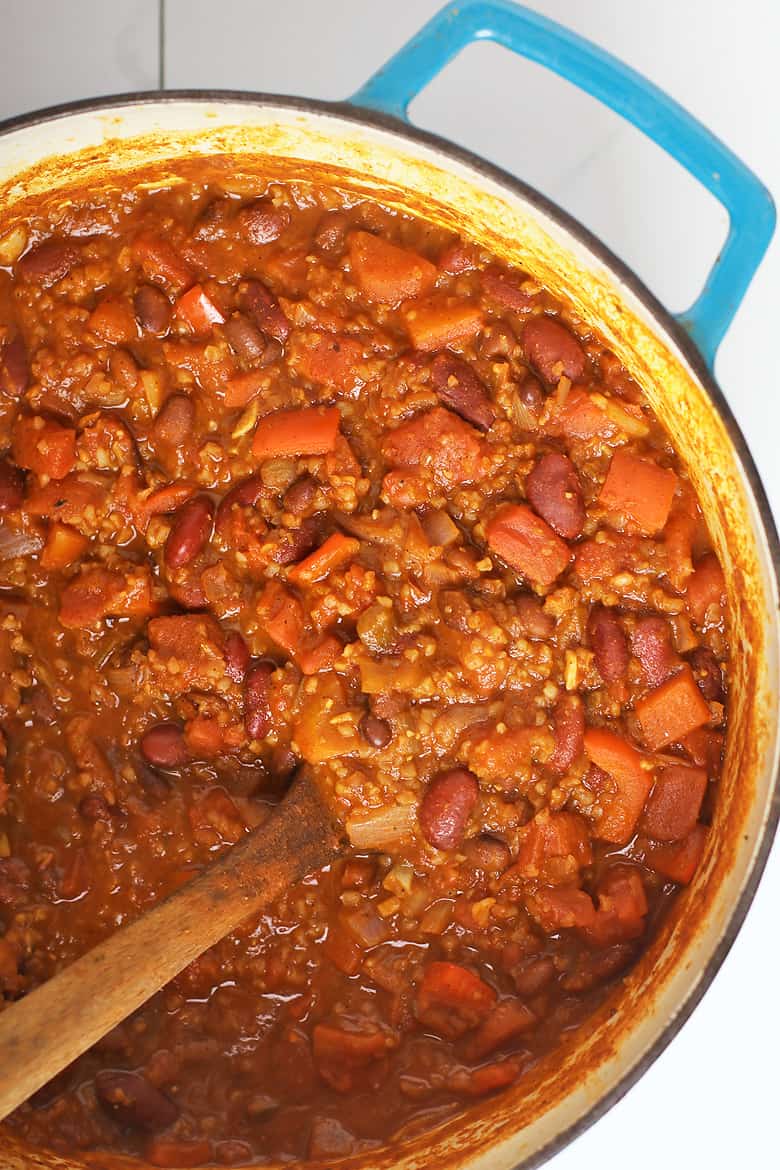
(667, 324)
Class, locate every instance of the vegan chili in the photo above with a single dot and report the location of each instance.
(289, 476)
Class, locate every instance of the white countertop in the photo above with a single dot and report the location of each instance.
(710, 1098)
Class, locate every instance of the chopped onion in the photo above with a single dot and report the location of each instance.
(440, 528)
(16, 543)
(437, 917)
(381, 827)
(12, 245)
(366, 926)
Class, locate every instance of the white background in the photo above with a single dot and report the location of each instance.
(710, 1100)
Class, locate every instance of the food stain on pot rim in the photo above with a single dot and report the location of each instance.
(424, 188)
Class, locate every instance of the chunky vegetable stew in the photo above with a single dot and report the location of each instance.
(289, 477)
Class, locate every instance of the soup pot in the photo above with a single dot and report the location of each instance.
(367, 146)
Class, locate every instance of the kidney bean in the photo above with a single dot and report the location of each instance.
(123, 368)
(244, 338)
(94, 807)
(212, 222)
(553, 490)
(244, 495)
(190, 532)
(487, 853)
(163, 746)
(608, 643)
(49, 262)
(11, 487)
(257, 709)
(175, 421)
(153, 310)
(708, 674)
(131, 1100)
(458, 258)
(532, 621)
(651, 644)
(568, 732)
(533, 975)
(548, 344)
(376, 732)
(446, 807)
(262, 306)
(458, 386)
(282, 763)
(296, 543)
(300, 495)
(531, 396)
(331, 231)
(236, 656)
(15, 375)
(505, 289)
(262, 223)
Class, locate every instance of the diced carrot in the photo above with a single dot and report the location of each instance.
(197, 310)
(239, 391)
(204, 737)
(579, 417)
(673, 807)
(43, 446)
(560, 908)
(560, 838)
(312, 430)
(678, 541)
(160, 261)
(282, 617)
(67, 499)
(498, 755)
(622, 802)
(622, 907)
(706, 592)
(478, 1082)
(434, 324)
(341, 1057)
(596, 559)
(337, 550)
(672, 711)
(64, 545)
(330, 360)
(170, 1152)
(679, 860)
(319, 655)
(639, 490)
(386, 273)
(98, 593)
(113, 321)
(528, 544)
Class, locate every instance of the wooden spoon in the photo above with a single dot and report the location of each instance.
(42, 1033)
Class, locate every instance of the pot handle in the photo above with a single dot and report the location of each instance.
(749, 205)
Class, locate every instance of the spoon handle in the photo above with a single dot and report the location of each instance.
(42, 1033)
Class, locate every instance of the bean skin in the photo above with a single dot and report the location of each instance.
(257, 709)
(446, 807)
(94, 808)
(708, 674)
(262, 306)
(175, 421)
(48, 262)
(568, 733)
(11, 487)
(608, 643)
(548, 344)
(300, 495)
(132, 1100)
(459, 388)
(152, 310)
(553, 490)
(190, 532)
(15, 376)
(331, 232)
(236, 656)
(244, 338)
(487, 853)
(651, 644)
(262, 223)
(163, 746)
(376, 732)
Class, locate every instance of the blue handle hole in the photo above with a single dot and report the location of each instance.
(626, 189)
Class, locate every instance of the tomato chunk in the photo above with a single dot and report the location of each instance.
(44, 446)
(560, 908)
(197, 310)
(705, 596)
(387, 273)
(640, 491)
(451, 999)
(528, 544)
(553, 847)
(623, 799)
(672, 711)
(622, 907)
(679, 860)
(673, 807)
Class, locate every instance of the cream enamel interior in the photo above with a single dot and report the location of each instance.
(83, 147)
